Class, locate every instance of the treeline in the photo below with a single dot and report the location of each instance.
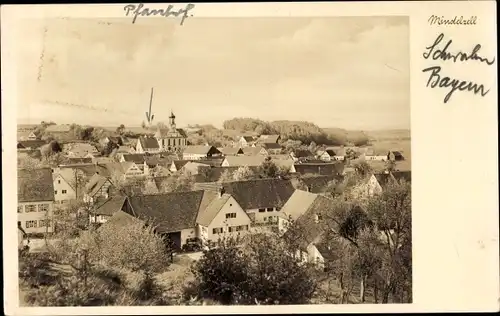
(303, 131)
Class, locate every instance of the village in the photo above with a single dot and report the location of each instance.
(193, 194)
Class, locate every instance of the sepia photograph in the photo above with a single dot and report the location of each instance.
(213, 161)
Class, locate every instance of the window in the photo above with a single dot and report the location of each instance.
(231, 229)
(265, 219)
(242, 227)
(20, 209)
(43, 223)
(31, 224)
(218, 230)
(231, 215)
(43, 208)
(278, 209)
(64, 191)
(55, 192)
(270, 209)
(58, 181)
(30, 208)
(262, 210)
(19, 224)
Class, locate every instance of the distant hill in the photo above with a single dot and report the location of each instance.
(379, 135)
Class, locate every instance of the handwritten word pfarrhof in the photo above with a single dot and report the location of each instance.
(441, 53)
(140, 10)
(441, 20)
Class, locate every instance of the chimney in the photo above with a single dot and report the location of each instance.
(221, 191)
(309, 188)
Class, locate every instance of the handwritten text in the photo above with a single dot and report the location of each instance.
(441, 53)
(140, 10)
(441, 20)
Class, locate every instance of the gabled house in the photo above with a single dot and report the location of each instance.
(147, 144)
(127, 169)
(370, 154)
(377, 182)
(395, 156)
(105, 209)
(332, 153)
(261, 199)
(255, 151)
(80, 150)
(238, 161)
(193, 168)
(117, 140)
(269, 139)
(138, 159)
(246, 141)
(30, 144)
(301, 154)
(172, 214)
(272, 148)
(231, 151)
(177, 165)
(322, 168)
(197, 152)
(65, 181)
(98, 187)
(26, 135)
(35, 200)
(125, 149)
(315, 184)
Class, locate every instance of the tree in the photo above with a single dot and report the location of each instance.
(390, 165)
(178, 182)
(269, 169)
(120, 129)
(226, 176)
(243, 173)
(30, 163)
(108, 149)
(259, 271)
(351, 154)
(363, 169)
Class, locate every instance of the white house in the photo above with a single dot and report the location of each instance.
(65, 185)
(147, 144)
(35, 200)
(197, 152)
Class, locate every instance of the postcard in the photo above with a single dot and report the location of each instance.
(195, 158)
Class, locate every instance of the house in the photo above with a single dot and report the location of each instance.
(285, 164)
(125, 149)
(255, 151)
(80, 150)
(138, 159)
(395, 156)
(26, 135)
(377, 182)
(370, 154)
(238, 161)
(261, 199)
(98, 187)
(301, 154)
(105, 209)
(322, 168)
(222, 217)
(231, 151)
(172, 214)
(74, 161)
(35, 200)
(117, 140)
(177, 165)
(127, 169)
(272, 148)
(332, 153)
(193, 168)
(315, 184)
(62, 131)
(268, 139)
(65, 189)
(197, 152)
(147, 144)
(103, 160)
(174, 139)
(246, 141)
(30, 144)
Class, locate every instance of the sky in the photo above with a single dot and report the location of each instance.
(345, 72)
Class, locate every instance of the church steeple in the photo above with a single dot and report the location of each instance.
(172, 120)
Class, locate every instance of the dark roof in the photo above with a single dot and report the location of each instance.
(253, 151)
(214, 173)
(179, 163)
(302, 153)
(325, 169)
(33, 144)
(254, 194)
(402, 175)
(201, 150)
(318, 184)
(35, 185)
(79, 160)
(109, 206)
(137, 158)
(271, 145)
(94, 184)
(170, 212)
(120, 219)
(231, 150)
(396, 153)
(212, 207)
(267, 139)
(248, 138)
(383, 178)
(149, 142)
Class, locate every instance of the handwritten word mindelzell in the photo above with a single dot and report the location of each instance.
(438, 53)
(140, 10)
(441, 20)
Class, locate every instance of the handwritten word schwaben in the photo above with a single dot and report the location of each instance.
(441, 20)
(436, 80)
(140, 10)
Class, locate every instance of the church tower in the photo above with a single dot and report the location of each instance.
(172, 121)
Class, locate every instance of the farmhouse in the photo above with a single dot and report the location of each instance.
(197, 152)
(105, 209)
(246, 141)
(98, 187)
(231, 151)
(255, 151)
(35, 200)
(272, 148)
(147, 144)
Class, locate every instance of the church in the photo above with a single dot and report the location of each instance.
(174, 139)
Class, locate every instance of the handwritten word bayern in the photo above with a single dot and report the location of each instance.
(438, 52)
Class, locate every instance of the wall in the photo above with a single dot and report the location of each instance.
(220, 221)
(313, 255)
(61, 184)
(23, 216)
(263, 217)
(187, 156)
